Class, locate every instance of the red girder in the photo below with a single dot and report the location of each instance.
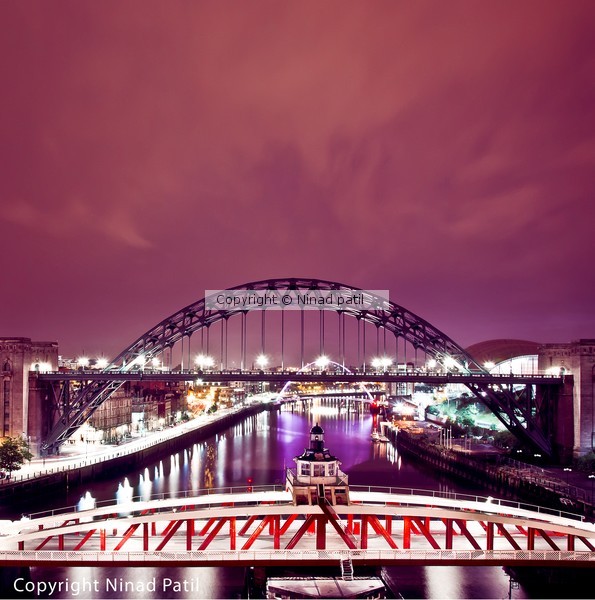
(300, 532)
(287, 523)
(171, 530)
(206, 528)
(586, 542)
(333, 518)
(246, 525)
(463, 527)
(213, 533)
(127, 535)
(85, 539)
(47, 539)
(256, 533)
(425, 531)
(507, 535)
(272, 527)
(548, 539)
(380, 530)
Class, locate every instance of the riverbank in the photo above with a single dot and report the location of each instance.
(489, 468)
(78, 465)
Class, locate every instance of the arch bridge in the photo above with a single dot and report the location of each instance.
(261, 526)
(399, 340)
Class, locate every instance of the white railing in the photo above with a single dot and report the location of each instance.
(503, 557)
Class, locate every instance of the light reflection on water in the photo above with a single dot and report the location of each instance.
(258, 449)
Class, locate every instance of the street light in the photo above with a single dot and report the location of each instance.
(262, 361)
(202, 361)
(101, 363)
(567, 470)
(383, 363)
(592, 478)
(322, 362)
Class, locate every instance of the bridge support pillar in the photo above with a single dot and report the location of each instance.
(364, 536)
(449, 534)
(321, 533)
(189, 534)
(232, 533)
(276, 525)
(489, 536)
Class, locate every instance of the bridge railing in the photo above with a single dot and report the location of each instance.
(308, 556)
(295, 373)
(174, 495)
(256, 489)
(466, 498)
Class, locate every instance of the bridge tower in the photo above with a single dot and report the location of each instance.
(574, 432)
(26, 407)
(318, 476)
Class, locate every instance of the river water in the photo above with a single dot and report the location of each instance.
(258, 449)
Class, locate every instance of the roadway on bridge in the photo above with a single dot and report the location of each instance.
(488, 532)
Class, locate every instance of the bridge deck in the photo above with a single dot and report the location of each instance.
(308, 376)
(265, 528)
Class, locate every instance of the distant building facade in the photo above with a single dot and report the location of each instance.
(24, 404)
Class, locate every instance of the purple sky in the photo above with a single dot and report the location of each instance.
(152, 150)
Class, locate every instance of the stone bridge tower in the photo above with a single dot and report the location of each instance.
(574, 419)
(25, 407)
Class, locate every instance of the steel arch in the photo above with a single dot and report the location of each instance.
(397, 320)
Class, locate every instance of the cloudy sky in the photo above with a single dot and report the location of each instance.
(152, 150)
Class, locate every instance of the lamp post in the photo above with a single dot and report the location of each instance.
(262, 361)
(592, 478)
(567, 470)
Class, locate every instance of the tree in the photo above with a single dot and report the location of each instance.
(14, 451)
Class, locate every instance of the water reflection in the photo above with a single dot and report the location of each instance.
(257, 449)
(124, 494)
(87, 502)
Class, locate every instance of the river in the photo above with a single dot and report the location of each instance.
(257, 450)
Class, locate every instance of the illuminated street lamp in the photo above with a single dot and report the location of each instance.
(156, 363)
(432, 364)
(101, 363)
(204, 361)
(383, 363)
(322, 362)
(262, 361)
(449, 362)
(140, 361)
(567, 470)
(592, 478)
(83, 362)
(489, 365)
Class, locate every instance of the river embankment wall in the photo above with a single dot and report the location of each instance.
(488, 471)
(122, 460)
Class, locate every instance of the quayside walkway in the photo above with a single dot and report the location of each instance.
(261, 526)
